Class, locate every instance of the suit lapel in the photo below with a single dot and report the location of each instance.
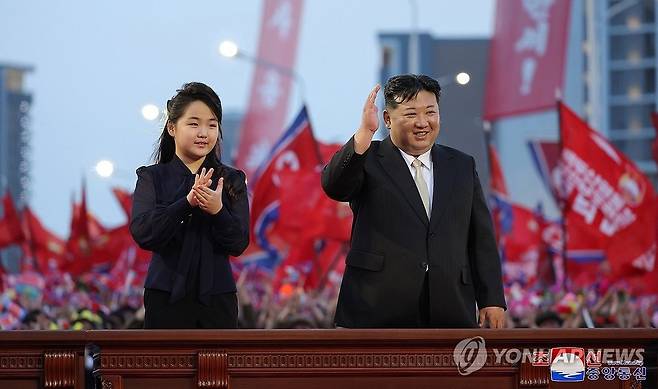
(396, 168)
(444, 174)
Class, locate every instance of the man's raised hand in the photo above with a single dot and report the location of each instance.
(369, 123)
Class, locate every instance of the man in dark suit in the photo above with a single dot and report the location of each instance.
(423, 252)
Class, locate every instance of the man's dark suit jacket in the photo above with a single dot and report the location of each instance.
(393, 241)
(190, 247)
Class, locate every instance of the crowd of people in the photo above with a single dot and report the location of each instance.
(31, 302)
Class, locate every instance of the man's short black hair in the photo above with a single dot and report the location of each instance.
(405, 87)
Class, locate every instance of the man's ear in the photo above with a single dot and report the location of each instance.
(171, 128)
(387, 119)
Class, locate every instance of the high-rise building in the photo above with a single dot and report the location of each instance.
(619, 86)
(15, 104)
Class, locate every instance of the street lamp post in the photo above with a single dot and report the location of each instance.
(150, 112)
(461, 78)
(104, 168)
(107, 170)
(413, 39)
(230, 49)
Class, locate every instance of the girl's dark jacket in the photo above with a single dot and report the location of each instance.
(190, 248)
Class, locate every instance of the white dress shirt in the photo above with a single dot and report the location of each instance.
(427, 170)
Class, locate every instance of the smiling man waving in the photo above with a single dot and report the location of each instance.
(423, 252)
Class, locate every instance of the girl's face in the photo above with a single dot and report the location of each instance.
(195, 133)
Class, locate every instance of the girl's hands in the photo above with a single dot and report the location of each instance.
(210, 201)
(200, 180)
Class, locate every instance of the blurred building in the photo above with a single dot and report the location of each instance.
(15, 103)
(230, 135)
(460, 105)
(620, 85)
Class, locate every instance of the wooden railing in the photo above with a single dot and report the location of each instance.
(341, 358)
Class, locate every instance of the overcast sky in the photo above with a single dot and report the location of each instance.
(97, 63)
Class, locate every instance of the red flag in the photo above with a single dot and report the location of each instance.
(607, 198)
(296, 266)
(41, 245)
(117, 263)
(522, 234)
(116, 243)
(327, 150)
(496, 177)
(106, 245)
(315, 227)
(500, 205)
(646, 284)
(527, 56)
(337, 215)
(127, 268)
(548, 272)
(523, 240)
(79, 236)
(265, 118)
(309, 264)
(307, 212)
(299, 199)
(585, 250)
(78, 246)
(109, 246)
(296, 151)
(584, 267)
(10, 225)
(125, 200)
(517, 228)
(331, 259)
(94, 227)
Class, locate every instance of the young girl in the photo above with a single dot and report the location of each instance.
(192, 212)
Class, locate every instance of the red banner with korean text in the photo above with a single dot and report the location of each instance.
(527, 57)
(606, 197)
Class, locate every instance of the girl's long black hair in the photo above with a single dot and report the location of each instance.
(176, 106)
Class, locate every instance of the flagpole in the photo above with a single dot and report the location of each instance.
(561, 199)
